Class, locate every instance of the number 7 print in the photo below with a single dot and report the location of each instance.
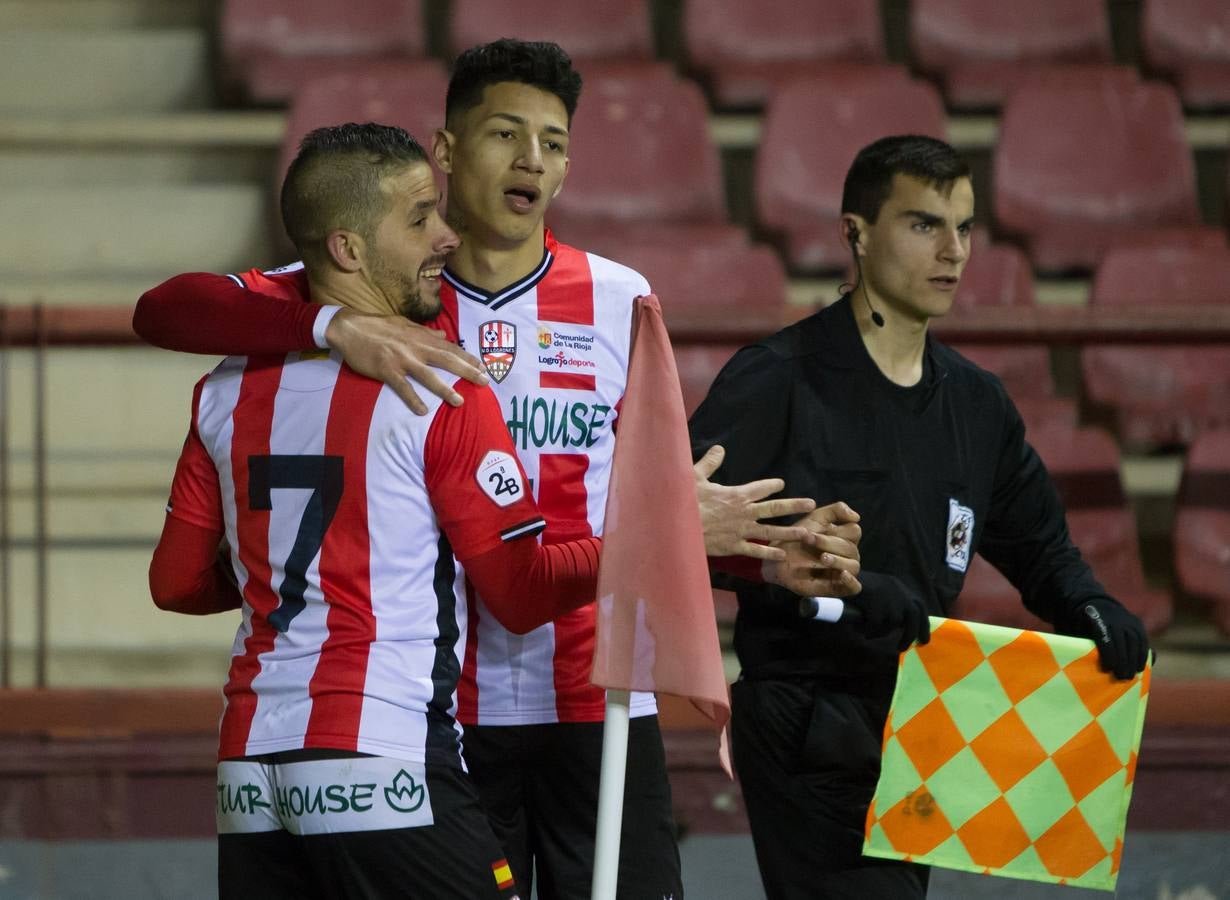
(323, 476)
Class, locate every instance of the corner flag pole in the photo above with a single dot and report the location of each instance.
(611, 795)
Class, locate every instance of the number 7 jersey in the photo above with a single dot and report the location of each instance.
(556, 347)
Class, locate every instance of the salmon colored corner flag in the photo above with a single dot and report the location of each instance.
(656, 627)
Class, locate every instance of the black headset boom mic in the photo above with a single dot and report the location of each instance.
(852, 236)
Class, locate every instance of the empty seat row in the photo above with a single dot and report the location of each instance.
(978, 51)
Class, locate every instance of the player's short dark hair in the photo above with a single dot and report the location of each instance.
(870, 178)
(334, 181)
(540, 64)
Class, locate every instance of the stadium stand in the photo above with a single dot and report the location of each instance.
(1086, 162)
(999, 275)
(650, 173)
(981, 51)
(1202, 525)
(743, 50)
(1188, 41)
(813, 128)
(698, 365)
(1084, 463)
(1161, 395)
(614, 30)
(271, 47)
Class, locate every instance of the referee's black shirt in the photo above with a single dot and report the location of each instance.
(810, 405)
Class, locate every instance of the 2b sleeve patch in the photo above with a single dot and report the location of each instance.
(500, 478)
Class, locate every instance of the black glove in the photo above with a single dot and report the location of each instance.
(1120, 636)
(886, 603)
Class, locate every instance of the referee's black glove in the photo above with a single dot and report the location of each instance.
(1123, 646)
(886, 604)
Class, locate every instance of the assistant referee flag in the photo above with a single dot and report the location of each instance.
(1008, 752)
(656, 628)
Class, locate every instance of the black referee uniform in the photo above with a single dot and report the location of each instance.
(936, 471)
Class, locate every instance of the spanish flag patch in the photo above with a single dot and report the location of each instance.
(502, 873)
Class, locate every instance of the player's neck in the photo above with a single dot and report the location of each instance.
(351, 293)
(491, 267)
(897, 346)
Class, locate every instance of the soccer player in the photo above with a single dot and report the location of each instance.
(345, 516)
(858, 402)
(551, 324)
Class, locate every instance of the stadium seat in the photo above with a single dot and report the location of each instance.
(742, 50)
(611, 30)
(999, 275)
(1202, 525)
(644, 164)
(1189, 41)
(408, 94)
(698, 365)
(271, 47)
(980, 51)
(813, 128)
(727, 290)
(1084, 464)
(1083, 167)
(1161, 394)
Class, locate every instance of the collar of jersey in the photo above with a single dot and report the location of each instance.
(495, 299)
(844, 348)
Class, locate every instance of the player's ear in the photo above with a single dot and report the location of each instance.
(346, 249)
(442, 144)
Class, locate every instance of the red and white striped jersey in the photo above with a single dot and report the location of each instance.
(556, 347)
(343, 511)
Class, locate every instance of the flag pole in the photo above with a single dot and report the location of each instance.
(611, 795)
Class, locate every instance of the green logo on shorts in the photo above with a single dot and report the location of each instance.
(405, 795)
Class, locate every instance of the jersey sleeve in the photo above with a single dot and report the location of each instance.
(1026, 535)
(196, 496)
(477, 487)
(226, 315)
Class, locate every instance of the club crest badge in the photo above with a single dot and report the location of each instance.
(960, 534)
(497, 347)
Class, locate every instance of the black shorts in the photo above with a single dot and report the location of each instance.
(808, 757)
(455, 857)
(539, 785)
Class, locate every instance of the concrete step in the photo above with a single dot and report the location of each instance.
(81, 14)
(172, 166)
(122, 230)
(46, 71)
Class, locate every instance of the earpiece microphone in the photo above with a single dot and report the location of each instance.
(852, 236)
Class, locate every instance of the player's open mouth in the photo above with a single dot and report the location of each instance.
(521, 198)
(945, 282)
(431, 271)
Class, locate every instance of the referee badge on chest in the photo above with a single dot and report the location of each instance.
(960, 533)
(497, 345)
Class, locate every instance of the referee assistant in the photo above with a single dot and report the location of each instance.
(858, 403)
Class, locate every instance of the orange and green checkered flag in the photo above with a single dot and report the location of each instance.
(1008, 752)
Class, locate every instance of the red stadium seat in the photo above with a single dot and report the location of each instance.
(743, 50)
(981, 51)
(271, 47)
(1202, 525)
(1161, 394)
(1189, 41)
(644, 164)
(408, 94)
(611, 30)
(1081, 168)
(999, 275)
(1046, 412)
(732, 291)
(813, 128)
(1084, 464)
(698, 365)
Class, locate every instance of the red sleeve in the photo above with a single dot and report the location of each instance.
(480, 496)
(526, 584)
(475, 482)
(221, 315)
(186, 574)
(196, 496)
